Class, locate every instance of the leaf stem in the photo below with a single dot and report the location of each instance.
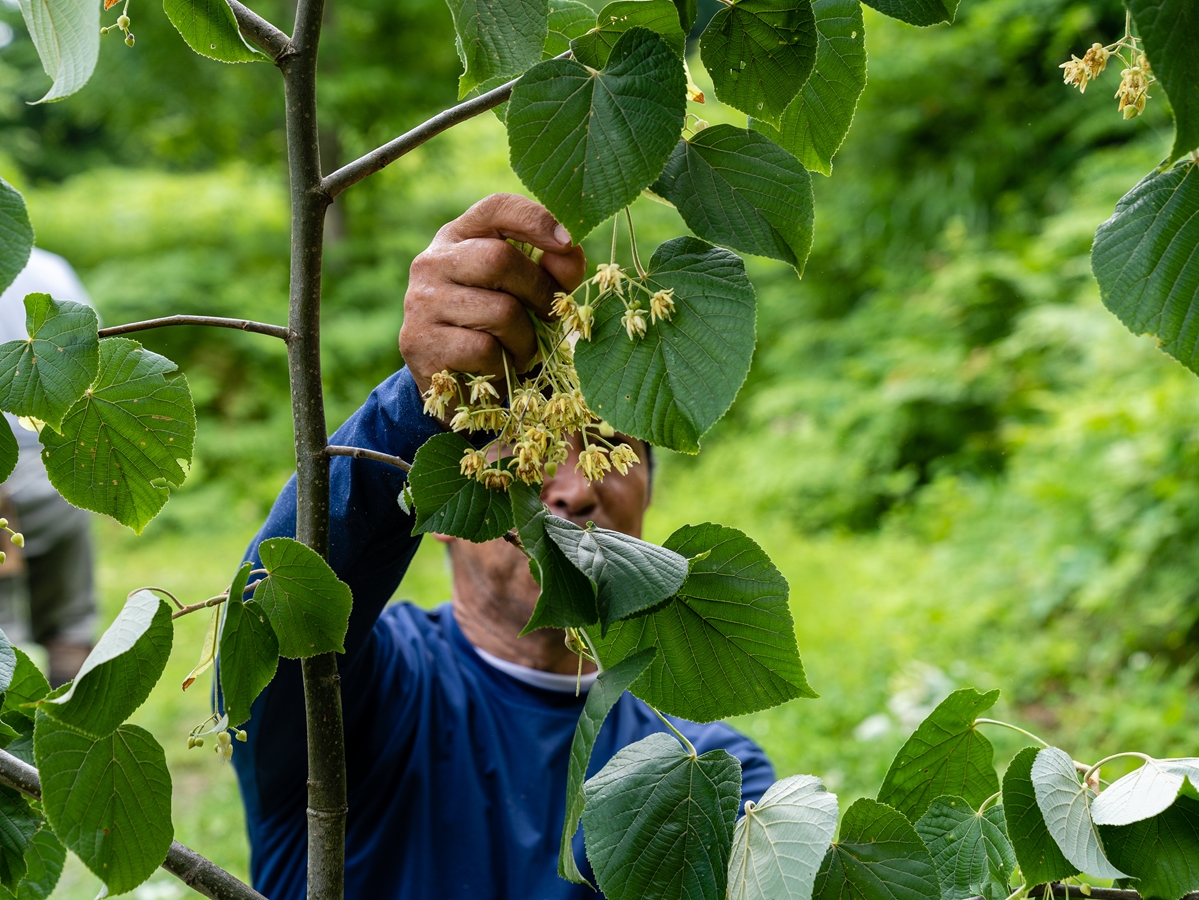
(633, 244)
(1131, 753)
(1029, 734)
(983, 806)
(615, 230)
(160, 590)
(687, 745)
(594, 653)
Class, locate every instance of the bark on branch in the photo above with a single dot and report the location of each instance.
(277, 331)
(361, 453)
(200, 874)
(261, 32)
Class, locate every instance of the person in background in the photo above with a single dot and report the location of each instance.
(47, 588)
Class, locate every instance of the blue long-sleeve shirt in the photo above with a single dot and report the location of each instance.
(457, 771)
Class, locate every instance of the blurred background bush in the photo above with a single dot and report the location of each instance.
(969, 471)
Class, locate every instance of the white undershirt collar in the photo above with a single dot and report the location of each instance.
(547, 681)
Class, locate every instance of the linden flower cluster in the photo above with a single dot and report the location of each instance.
(18, 539)
(1135, 78)
(224, 743)
(611, 281)
(545, 406)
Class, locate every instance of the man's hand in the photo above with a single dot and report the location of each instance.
(469, 292)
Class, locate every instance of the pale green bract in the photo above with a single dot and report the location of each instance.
(594, 46)
(658, 822)
(878, 856)
(210, 28)
(781, 840)
(88, 791)
(66, 34)
(917, 12)
(16, 234)
(307, 605)
(249, 651)
(1170, 30)
(127, 439)
(1065, 802)
(122, 669)
(970, 849)
(1145, 791)
(671, 385)
(43, 376)
(497, 39)
(736, 188)
(587, 143)
(817, 121)
(1144, 261)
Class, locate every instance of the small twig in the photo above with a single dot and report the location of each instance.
(260, 31)
(514, 539)
(213, 321)
(205, 604)
(190, 867)
(361, 453)
(381, 157)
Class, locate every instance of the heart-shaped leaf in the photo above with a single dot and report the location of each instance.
(1170, 30)
(497, 40)
(307, 605)
(671, 385)
(1040, 858)
(126, 439)
(586, 142)
(917, 12)
(1065, 802)
(781, 840)
(1144, 792)
(210, 28)
(447, 502)
(44, 861)
(879, 856)
(970, 849)
(815, 124)
(18, 825)
(946, 756)
(1162, 852)
(16, 234)
(594, 46)
(629, 575)
(738, 188)
(604, 693)
(655, 809)
(108, 800)
(66, 34)
(759, 54)
(122, 669)
(43, 376)
(1144, 262)
(249, 650)
(568, 20)
(726, 641)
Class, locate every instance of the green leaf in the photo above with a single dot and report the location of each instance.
(1170, 30)
(20, 746)
(780, 842)
(44, 861)
(661, 16)
(726, 642)
(447, 502)
(604, 693)
(568, 20)
(108, 800)
(658, 823)
(588, 143)
(18, 825)
(9, 451)
(1066, 805)
(945, 756)
(1144, 792)
(1040, 859)
(249, 650)
(879, 856)
(629, 575)
(738, 188)
(969, 849)
(43, 376)
(688, 12)
(126, 440)
(815, 124)
(1162, 852)
(307, 605)
(1143, 260)
(8, 662)
(210, 28)
(16, 234)
(759, 54)
(670, 386)
(567, 598)
(917, 12)
(66, 34)
(28, 685)
(122, 669)
(497, 40)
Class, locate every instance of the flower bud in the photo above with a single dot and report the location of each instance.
(3, 557)
(3, 523)
(242, 736)
(105, 30)
(129, 41)
(551, 469)
(18, 540)
(191, 742)
(123, 22)
(199, 742)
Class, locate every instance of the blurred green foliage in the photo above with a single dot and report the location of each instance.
(968, 470)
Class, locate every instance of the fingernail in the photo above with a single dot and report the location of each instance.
(562, 235)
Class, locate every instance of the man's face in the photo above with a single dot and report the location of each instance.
(497, 573)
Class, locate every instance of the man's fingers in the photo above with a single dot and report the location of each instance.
(493, 313)
(498, 266)
(569, 269)
(509, 216)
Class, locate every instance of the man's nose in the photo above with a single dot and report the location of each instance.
(569, 495)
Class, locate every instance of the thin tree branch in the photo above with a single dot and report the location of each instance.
(273, 41)
(381, 157)
(1074, 892)
(213, 321)
(361, 453)
(190, 867)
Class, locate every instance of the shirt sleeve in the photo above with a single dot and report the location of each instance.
(370, 547)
